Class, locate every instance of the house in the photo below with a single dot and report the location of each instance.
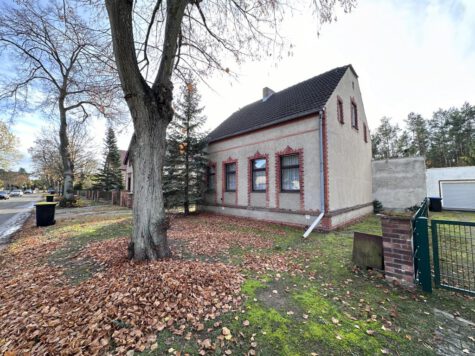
(123, 167)
(295, 154)
(129, 176)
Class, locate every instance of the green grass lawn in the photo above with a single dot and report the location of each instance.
(307, 299)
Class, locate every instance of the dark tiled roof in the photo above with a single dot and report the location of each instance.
(296, 101)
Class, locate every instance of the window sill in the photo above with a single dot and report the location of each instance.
(258, 191)
(290, 191)
(230, 191)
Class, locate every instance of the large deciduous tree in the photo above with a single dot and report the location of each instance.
(46, 157)
(170, 38)
(59, 62)
(8, 146)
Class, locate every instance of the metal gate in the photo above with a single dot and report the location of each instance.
(453, 250)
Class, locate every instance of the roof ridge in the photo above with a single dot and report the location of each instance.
(307, 96)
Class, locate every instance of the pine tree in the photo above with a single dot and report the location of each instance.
(419, 134)
(185, 161)
(110, 176)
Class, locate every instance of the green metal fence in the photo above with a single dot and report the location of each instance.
(420, 233)
(453, 245)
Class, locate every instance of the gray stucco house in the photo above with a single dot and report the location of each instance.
(298, 156)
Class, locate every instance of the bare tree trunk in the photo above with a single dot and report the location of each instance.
(151, 111)
(68, 191)
(149, 240)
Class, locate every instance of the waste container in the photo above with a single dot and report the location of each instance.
(49, 198)
(45, 213)
(435, 204)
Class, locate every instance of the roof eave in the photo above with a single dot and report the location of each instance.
(287, 118)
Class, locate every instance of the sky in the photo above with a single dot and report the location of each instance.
(410, 55)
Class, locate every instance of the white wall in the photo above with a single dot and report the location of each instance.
(435, 175)
(349, 156)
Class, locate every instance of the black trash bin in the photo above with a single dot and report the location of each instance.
(435, 204)
(45, 213)
(49, 198)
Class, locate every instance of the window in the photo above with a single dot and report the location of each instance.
(290, 173)
(230, 177)
(339, 110)
(365, 133)
(259, 175)
(211, 177)
(354, 115)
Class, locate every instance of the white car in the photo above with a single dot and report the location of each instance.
(16, 193)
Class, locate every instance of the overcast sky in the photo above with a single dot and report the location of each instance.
(410, 55)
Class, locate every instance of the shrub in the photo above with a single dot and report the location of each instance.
(377, 206)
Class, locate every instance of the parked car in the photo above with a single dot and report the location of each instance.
(16, 193)
(28, 191)
(51, 191)
(4, 195)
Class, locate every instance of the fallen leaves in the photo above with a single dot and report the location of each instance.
(219, 234)
(126, 304)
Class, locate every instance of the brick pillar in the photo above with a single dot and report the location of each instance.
(398, 249)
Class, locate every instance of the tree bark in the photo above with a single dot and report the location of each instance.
(68, 191)
(151, 111)
(149, 237)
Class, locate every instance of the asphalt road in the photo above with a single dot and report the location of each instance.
(14, 212)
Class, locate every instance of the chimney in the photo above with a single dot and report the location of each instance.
(266, 93)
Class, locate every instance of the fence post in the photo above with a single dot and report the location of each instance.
(435, 246)
(423, 255)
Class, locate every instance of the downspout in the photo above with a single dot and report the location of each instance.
(322, 181)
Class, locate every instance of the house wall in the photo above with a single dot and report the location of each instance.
(399, 183)
(129, 173)
(435, 175)
(299, 135)
(349, 156)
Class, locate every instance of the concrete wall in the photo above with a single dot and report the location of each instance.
(399, 183)
(349, 156)
(435, 175)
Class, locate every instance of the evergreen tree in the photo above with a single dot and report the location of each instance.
(446, 140)
(185, 161)
(418, 135)
(385, 140)
(110, 176)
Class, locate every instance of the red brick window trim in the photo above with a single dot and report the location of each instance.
(339, 110)
(250, 177)
(365, 133)
(354, 113)
(288, 151)
(224, 176)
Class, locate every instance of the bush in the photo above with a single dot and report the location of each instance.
(68, 203)
(377, 207)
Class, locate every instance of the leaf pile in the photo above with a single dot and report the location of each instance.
(210, 235)
(119, 309)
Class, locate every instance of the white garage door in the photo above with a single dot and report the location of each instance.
(458, 195)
